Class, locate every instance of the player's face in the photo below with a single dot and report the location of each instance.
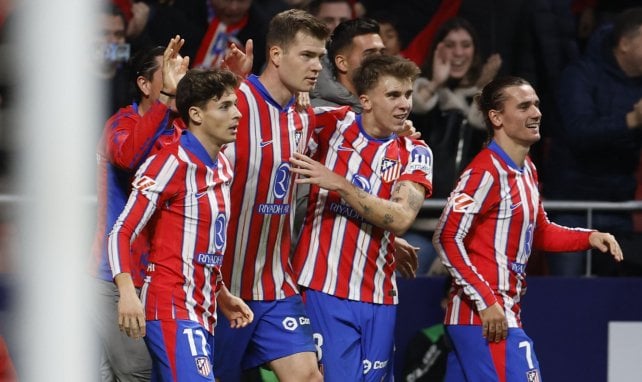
(220, 118)
(389, 102)
(363, 46)
(520, 119)
(461, 52)
(332, 14)
(300, 62)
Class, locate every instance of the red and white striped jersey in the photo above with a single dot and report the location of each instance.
(182, 196)
(338, 252)
(128, 138)
(257, 265)
(492, 221)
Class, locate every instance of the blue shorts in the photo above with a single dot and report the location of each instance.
(280, 328)
(355, 340)
(475, 359)
(180, 348)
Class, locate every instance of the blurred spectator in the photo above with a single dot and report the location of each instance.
(154, 22)
(233, 21)
(300, 4)
(331, 12)
(351, 42)
(452, 124)
(596, 152)
(552, 44)
(445, 114)
(112, 54)
(591, 14)
(387, 31)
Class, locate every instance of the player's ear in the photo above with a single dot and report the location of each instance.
(495, 117)
(144, 85)
(275, 54)
(365, 102)
(341, 62)
(195, 114)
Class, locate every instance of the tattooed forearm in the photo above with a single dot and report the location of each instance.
(366, 210)
(387, 220)
(361, 194)
(414, 201)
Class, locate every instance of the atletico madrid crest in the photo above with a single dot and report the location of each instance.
(203, 366)
(390, 170)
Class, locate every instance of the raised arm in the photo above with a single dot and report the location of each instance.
(129, 136)
(395, 215)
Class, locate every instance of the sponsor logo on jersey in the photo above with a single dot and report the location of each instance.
(517, 267)
(263, 144)
(291, 323)
(273, 209)
(281, 181)
(361, 182)
(389, 169)
(420, 159)
(200, 194)
(376, 365)
(280, 190)
(144, 183)
(367, 365)
(463, 203)
(203, 366)
(220, 231)
(210, 259)
(345, 146)
(345, 210)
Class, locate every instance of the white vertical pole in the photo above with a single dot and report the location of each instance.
(58, 115)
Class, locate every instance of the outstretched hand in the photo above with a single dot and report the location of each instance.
(238, 61)
(605, 242)
(174, 65)
(235, 309)
(406, 258)
(441, 64)
(409, 130)
(313, 172)
(489, 70)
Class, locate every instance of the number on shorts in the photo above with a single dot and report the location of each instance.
(189, 332)
(318, 342)
(529, 358)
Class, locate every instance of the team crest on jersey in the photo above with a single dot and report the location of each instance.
(463, 203)
(390, 169)
(420, 159)
(203, 366)
(532, 376)
(144, 183)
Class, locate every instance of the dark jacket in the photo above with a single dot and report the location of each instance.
(594, 156)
